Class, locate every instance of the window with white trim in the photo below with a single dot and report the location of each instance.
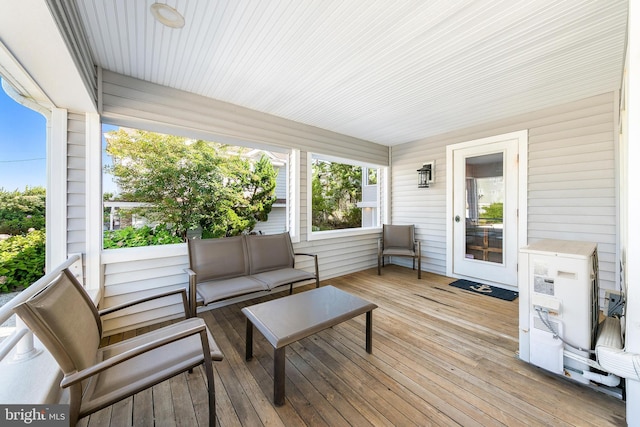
(344, 195)
(248, 188)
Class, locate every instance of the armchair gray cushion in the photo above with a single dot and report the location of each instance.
(67, 322)
(399, 240)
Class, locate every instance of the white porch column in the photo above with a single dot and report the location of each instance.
(56, 246)
(93, 201)
(633, 206)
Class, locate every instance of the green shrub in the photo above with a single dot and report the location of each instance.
(22, 210)
(22, 260)
(130, 237)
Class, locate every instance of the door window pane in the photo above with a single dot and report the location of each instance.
(484, 207)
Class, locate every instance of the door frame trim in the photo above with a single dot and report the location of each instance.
(523, 138)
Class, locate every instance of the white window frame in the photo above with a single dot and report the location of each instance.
(293, 172)
(382, 199)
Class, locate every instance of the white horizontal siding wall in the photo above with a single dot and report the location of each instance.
(76, 205)
(135, 103)
(281, 183)
(133, 273)
(277, 222)
(571, 180)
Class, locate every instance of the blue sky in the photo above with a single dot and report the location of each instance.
(23, 146)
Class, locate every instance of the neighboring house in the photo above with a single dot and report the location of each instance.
(552, 85)
(370, 203)
(277, 222)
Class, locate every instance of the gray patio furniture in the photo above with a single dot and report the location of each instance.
(66, 321)
(399, 240)
(286, 320)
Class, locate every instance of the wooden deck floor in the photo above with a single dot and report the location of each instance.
(441, 356)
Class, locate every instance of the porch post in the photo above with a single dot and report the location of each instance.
(93, 200)
(56, 212)
(633, 206)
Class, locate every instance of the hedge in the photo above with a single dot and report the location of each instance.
(22, 260)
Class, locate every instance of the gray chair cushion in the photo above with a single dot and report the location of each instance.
(398, 252)
(270, 252)
(66, 321)
(283, 276)
(214, 290)
(59, 309)
(218, 258)
(399, 240)
(149, 368)
(398, 236)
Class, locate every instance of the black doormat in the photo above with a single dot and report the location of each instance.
(482, 289)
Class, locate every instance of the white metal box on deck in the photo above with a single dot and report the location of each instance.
(558, 284)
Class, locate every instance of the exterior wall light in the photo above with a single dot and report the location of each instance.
(425, 175)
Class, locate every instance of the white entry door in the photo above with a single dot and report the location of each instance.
(484, 208)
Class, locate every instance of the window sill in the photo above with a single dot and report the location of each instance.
(334, 234)
(143, 252)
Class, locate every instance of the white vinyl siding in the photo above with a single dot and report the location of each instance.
(138, 104)
(277, 222)
(571, 180)
(130, 274)
(76, 206)
(281, 183)
(130, 102)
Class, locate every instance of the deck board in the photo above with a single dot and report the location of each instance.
(441, 356)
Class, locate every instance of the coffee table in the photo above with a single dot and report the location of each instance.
(288, 319)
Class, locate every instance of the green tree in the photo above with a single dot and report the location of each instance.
(493, 212)
(249, 194)
(21, 211)
(191, 183)
(336, 188)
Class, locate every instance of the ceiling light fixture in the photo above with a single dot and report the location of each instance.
(167, 15)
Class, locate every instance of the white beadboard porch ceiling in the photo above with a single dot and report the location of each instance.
(384, 71)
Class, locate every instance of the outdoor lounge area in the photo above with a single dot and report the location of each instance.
(441, 356)
(483, 126)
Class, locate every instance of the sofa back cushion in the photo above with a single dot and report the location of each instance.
(218, 258)
(270, 252)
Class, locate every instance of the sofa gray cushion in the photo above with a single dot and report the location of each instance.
(218, 258)
(220, 289)
(283, 276)
(270, 252)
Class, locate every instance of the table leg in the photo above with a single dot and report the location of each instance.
(249, 337)
(369, 344)
(278, 376)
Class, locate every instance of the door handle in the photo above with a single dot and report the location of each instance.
(457, 218)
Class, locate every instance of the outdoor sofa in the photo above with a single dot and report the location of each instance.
(227, 267)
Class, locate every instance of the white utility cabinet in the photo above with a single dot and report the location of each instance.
(558, 284)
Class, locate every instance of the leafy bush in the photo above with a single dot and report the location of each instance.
(22, 210)
(130, 237)
(493, 213)
(22, 260)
